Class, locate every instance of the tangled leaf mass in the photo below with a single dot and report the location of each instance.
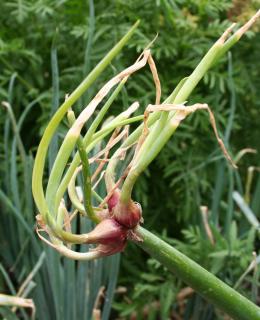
(117, 215)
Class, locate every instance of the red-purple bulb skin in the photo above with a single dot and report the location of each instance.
(102, 214)
(113, 200)
(112, 232)
(128, 215)
(107, 232)
(112, 248)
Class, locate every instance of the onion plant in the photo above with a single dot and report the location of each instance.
(117, 216)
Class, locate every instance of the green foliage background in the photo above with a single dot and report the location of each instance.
(189, 172)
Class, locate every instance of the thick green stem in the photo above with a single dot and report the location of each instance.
(205, 283)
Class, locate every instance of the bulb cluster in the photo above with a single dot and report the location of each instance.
(117, 226)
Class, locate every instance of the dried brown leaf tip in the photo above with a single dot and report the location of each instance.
(183, 111)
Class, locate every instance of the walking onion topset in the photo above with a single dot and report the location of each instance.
(117, 216)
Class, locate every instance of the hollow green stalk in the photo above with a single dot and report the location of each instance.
(159, 125)
(236, 36)
(62, 211)
(37, 183)
(66, 182)
(205, 283)
(143, 163)
(155, 121)
(87, 190)
(58, 232)
(73, 195)
(74, 132)
(119, 121)
(100, 116)
(214, 53)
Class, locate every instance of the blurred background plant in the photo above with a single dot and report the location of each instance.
(46, 48)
